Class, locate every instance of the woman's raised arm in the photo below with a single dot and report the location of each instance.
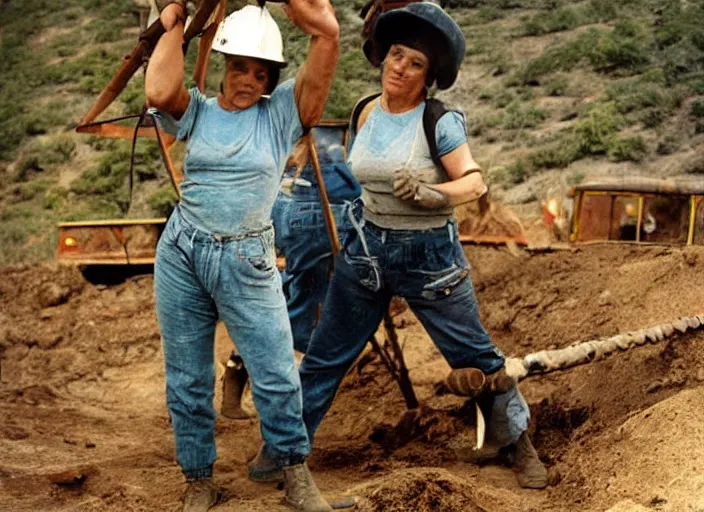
(314, 79)
(164, 81)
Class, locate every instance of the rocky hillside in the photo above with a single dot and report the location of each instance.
(553, 91)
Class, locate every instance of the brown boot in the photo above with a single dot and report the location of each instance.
(263, 468)
(201, 494)
(488, 454)
(530, 472)
(233, 383)
(301, 492)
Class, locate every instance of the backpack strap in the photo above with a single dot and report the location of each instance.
(357, 112)
(434, 110)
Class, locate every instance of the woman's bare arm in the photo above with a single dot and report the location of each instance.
(314, 78)
(466, 181)
(164, 81)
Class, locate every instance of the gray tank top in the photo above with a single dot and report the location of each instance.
(386, 143)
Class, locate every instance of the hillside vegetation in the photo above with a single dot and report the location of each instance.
(582, 87)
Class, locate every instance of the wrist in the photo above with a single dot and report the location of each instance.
(173, 15)
(163, 4)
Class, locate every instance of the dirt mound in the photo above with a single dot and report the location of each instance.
(658, 455)
(498, 223)
(59, 329)
(84, 424)
(424, 490)
(547, 300)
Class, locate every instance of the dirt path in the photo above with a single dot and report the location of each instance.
(84, 424)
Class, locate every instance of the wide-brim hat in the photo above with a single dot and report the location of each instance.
(431, 21)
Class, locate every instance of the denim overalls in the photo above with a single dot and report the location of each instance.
(302, 237)
(427, 267)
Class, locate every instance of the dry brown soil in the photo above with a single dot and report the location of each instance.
(84, 427)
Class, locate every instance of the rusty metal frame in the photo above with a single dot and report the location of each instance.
(203, 25)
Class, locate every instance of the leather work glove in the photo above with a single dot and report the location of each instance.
(408, 188)
(472, 382)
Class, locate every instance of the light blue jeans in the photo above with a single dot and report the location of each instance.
(429, 269)
(199, 278)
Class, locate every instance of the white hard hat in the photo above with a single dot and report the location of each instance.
(250, 32)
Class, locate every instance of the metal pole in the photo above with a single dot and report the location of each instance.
(327, 212)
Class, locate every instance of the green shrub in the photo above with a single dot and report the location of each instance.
(557, 85)
(30, 190)
(697, 108)
(489, 13)
(576, 178)
(517, 171)
(104, 179)
(54, 198)
(35, 125)
(669, 145)
(646, 102)
(653, 117)
(546, 22)
(12, 235)
(163, 200)
(603, 10)
(624, 48)
(519, 116)
(102, 143)
(28, 167)
(596, 127)
(486, 93)
(57, 150)
(654, 76)
(632, 148)
(559, 153)
(503, 98)
(478, 125)
(133, 97)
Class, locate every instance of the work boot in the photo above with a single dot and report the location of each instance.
(233, 384)
(490, 453)
(530, 472)
(263, 468)
(301, 492)
(201, 494)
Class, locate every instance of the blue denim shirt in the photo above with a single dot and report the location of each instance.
(234, 160)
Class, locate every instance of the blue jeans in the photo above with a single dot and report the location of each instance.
(302, 238)
(199, 278)
(427, 268)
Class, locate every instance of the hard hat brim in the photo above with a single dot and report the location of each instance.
(268, 62)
